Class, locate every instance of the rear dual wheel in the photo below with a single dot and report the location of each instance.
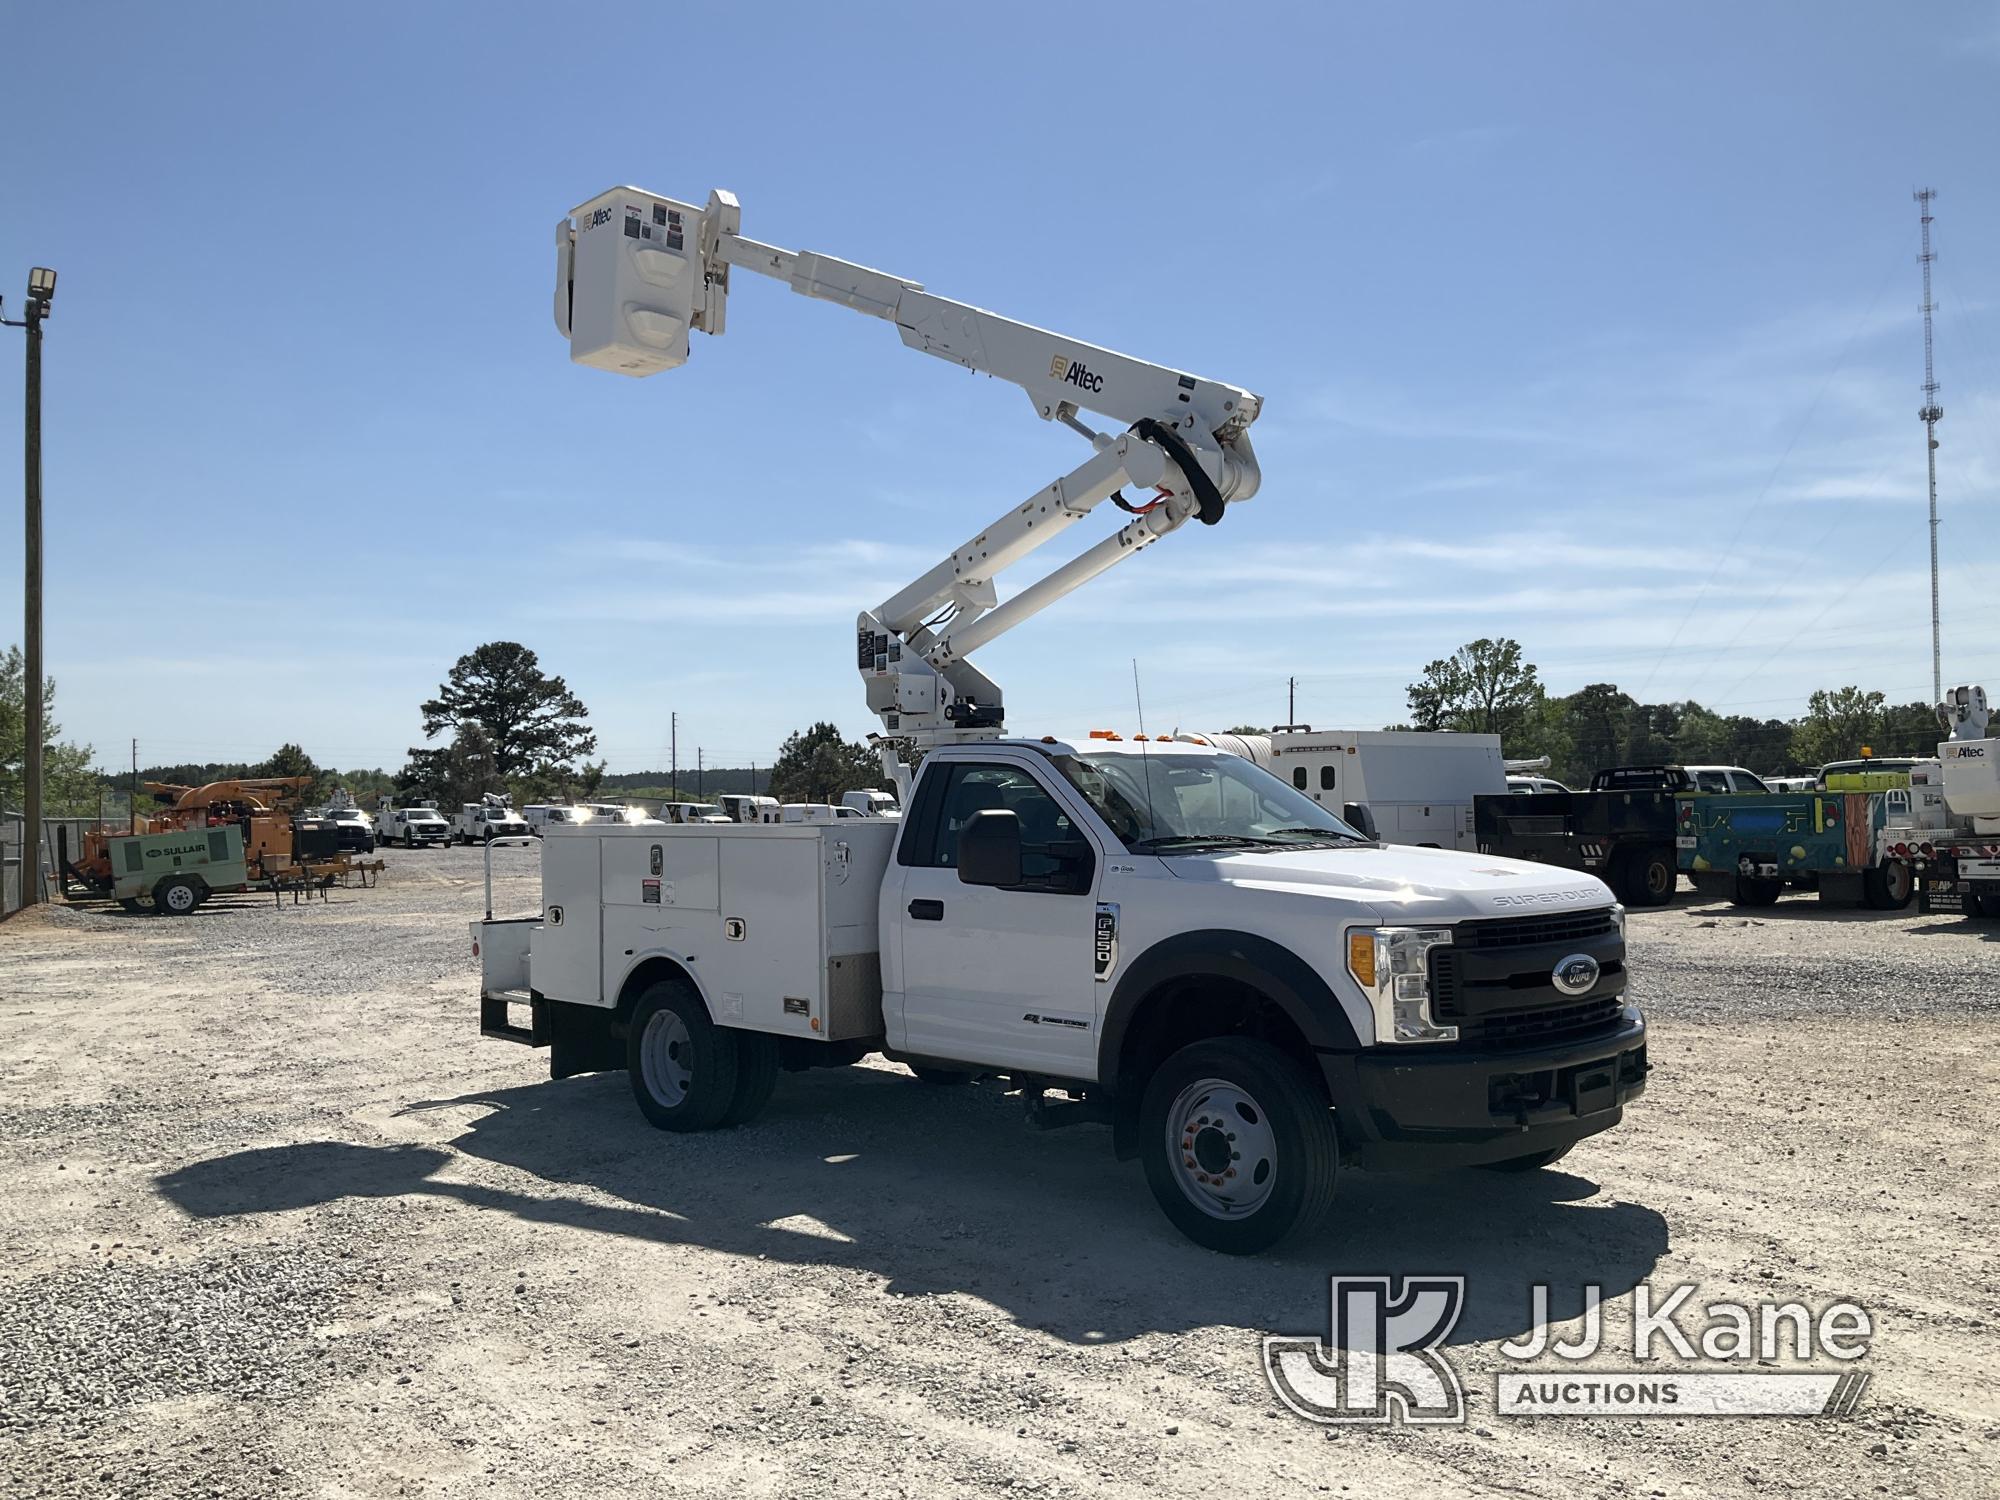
(1645, 877)
(1888, 887)
(689, 1074)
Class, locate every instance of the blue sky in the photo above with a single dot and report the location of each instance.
(1590, 325)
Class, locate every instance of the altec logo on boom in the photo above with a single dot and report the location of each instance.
(1075, 372)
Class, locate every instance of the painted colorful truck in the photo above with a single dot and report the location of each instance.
(1747, 849)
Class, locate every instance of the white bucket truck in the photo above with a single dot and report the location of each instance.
(1254, 996)
(1958, 868)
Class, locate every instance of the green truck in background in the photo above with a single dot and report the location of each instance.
(173, 873)
(1749, 848)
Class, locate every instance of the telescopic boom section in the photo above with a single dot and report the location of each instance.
(637, 273)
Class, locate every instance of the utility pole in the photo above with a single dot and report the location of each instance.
(1929, 416)
(132, 796)
(674, 757)
(41, 292)
(753, 778)
(697, 773)
(1291, 700)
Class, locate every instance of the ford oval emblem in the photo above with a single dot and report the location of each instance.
(1576, 974)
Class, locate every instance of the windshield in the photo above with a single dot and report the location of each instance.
(1173, 802)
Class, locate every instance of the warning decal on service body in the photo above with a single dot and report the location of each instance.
(649, 892)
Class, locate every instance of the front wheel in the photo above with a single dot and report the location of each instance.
(1241, 1150)
(684, 1068)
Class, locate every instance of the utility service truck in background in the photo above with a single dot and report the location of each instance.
(1958, 867)
(1249, 992)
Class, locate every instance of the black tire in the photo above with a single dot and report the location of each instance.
(943, 1078)
(1645, 877)
(1533, 1161)
(176, 896)
(409, 840)
(1888, 887)
(756, 1077)
(133, 904)
(689, 1081)
(1296, 1145)
(1984, 904)
(1756, 890)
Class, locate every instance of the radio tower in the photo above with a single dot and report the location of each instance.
(1929, 417)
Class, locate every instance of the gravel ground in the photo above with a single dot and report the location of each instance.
(279, 1223)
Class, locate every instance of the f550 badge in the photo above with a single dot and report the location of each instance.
(1104, 942)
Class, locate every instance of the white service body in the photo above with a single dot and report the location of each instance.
(777, 922)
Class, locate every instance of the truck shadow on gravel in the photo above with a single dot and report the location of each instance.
(946, 1190)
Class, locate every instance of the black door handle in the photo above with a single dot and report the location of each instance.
(927, 911)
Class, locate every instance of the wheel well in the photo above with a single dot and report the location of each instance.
(1192, 1008)
(649, 972)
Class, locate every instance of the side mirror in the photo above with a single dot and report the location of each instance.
(1357, 815)
(989, 849)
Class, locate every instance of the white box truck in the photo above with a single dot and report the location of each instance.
(1417, 786)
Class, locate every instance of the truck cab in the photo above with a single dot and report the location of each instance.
(1250, 991)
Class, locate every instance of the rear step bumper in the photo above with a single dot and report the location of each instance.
(495, 1021)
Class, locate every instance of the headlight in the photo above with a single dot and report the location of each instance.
(1392, 966)
(1618, 916)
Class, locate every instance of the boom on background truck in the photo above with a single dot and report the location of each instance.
(1253, 995)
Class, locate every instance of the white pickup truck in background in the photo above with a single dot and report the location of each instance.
(417, 823)
(481, 822)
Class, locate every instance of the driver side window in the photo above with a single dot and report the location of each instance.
(1050, 840)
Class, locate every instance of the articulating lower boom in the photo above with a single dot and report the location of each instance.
(637, 272)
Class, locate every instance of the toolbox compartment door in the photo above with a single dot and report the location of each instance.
(567, 959)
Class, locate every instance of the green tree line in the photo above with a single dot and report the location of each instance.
(1488, 686)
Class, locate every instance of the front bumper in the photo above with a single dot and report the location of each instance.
(1416, 1107)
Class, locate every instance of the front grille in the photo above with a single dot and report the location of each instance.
(1542, 1025)
(1524, 932)
(1480, 985)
